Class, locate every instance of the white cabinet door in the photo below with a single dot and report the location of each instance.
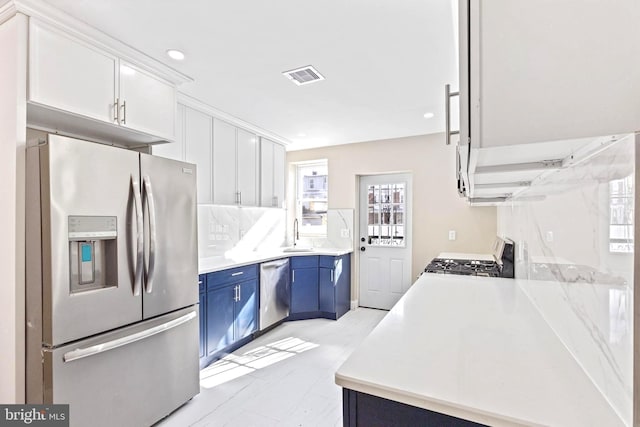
(266, 172)
(197, 134)
(553, 70)
(279, 173)
(224, 163)
(70, 75)
(174, 150)
(247, 167)
(147, 103)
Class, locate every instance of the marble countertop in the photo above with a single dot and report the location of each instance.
(475, 348)
(218, 263)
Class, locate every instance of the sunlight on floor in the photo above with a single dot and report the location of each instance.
(232, 366)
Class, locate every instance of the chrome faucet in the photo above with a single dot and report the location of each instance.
(296, 232)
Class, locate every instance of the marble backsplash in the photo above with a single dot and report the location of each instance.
(573, 231)
(224, 231)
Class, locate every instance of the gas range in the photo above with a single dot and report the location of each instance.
(498, 264)
(464, 267)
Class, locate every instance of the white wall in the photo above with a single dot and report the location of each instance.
(437, 208)
(13, 74)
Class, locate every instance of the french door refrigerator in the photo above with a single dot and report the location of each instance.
(112, 272)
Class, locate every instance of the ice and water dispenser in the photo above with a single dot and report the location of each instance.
(93, 252)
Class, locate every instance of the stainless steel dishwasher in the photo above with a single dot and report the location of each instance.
(275, 292)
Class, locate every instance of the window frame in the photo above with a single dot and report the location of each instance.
(311, 230)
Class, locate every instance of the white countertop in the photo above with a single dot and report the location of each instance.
(475, 348)
(211, 264)
(464, 255)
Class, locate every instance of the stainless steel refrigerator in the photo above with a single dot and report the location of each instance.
(112, 273)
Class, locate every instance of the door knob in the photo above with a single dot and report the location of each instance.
(362, 248)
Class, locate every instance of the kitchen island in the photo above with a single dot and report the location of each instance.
(468, 348)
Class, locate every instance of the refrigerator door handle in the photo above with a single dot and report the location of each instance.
(152, 234)
(137, 198)
(81, 353)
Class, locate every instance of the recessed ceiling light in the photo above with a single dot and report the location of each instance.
(175, 54)
(429, 115)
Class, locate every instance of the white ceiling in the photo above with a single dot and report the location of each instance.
(385, 61)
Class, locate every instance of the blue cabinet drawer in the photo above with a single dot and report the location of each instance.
(238, 274)
(202, 283)
(304, 261)
(327, 261)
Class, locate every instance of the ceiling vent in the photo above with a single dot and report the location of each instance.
(304, 75)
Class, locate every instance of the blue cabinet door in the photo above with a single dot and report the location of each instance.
(327, 290)
(246, 320)
(342, 277)
(304, 290)
(220, 308)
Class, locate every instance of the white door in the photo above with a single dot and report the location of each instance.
(224, 163)
(247, 168)
(147, 103)
(385, 239)
(197, 137)
(266, 172)
(279, 162)
(68, 74)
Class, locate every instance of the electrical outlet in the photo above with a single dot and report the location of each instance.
(452, 234)
(345, 233)
(549, 236)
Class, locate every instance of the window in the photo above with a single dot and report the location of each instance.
(386, 209)
(312, 197)
(621, 215)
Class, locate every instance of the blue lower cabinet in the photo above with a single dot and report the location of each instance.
(304, 290)
(245, 309)
(231, 310)
(220, 318)
(335, 285)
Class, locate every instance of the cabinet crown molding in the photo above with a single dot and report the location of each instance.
(61, 20)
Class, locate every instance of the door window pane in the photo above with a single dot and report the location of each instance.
(386, 207)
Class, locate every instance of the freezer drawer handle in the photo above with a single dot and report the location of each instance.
(110, 345)
(137, 283)
(152, 234)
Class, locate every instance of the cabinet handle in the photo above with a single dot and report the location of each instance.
(116, 112)
(447, 114)
(274, 201)
(239, 293)
(293, 276)
(240, 197)
(331, 276)
(239, 273)
(124, 112)
(235, 293)
(237, 197)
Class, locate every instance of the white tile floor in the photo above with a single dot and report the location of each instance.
(283, 378)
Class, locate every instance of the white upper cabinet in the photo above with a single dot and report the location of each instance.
(541, 83)
(224, 163)
(279, 172)
(272, 172)
(147, 103)
(71, 75)
(247, 168)
(197, 137)
(551, 70)
(81, 89)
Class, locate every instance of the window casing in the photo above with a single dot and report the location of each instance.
(312, 197)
